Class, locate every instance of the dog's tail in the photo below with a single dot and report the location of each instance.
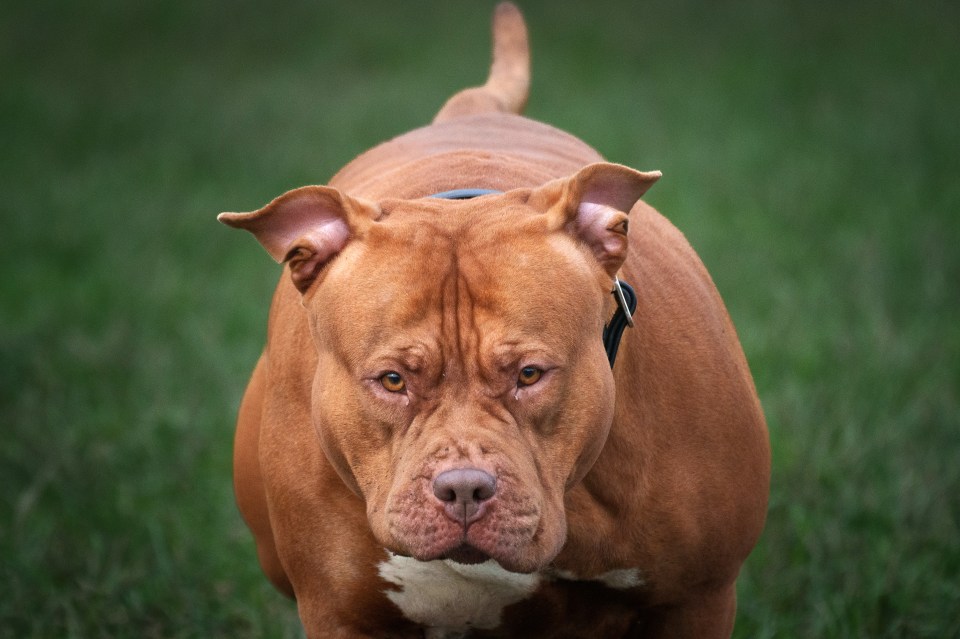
(508, 85)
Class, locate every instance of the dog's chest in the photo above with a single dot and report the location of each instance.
(450, 599)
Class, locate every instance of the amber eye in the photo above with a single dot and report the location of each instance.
(529, 375)
(393, 382)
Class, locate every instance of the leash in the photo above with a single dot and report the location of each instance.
(622, 292)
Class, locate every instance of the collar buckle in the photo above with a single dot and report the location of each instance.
(622, 305)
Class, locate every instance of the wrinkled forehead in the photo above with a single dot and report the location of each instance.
(444, 267)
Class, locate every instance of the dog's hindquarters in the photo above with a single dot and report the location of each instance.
(508, 85)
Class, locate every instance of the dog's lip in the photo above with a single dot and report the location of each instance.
(466, 554)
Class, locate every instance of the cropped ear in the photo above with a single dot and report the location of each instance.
(593, 205)
(306, 228)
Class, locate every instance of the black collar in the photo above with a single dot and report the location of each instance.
(622, 292)
(622, 318)
(464, 194)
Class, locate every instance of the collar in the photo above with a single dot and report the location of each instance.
(626, 300)
(464, 194)
(622, 292)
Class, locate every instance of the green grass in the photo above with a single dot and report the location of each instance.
(810, 153)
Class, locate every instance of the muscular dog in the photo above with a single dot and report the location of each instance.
(435, 442)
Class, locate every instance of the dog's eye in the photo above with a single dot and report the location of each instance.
(393, 382)
(529, 375)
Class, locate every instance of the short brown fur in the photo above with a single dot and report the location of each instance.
(661, 465)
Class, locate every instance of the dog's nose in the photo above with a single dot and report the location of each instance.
(463, 492)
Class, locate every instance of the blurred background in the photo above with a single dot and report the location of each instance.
(810, 154)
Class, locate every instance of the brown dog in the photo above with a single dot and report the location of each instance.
(434, 443)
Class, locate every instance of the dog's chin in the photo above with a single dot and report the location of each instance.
(466, 554)
(469, 555)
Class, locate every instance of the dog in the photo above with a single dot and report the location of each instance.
(454, 432)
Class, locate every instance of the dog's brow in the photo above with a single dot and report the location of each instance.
(415, 356)
(509, 353)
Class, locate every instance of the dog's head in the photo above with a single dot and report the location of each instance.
(462, 386)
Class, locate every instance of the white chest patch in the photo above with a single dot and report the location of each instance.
(618, 579)
(622, 578)
(452, 598)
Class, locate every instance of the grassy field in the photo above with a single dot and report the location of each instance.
(810, 153)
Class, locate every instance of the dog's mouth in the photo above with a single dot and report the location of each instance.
(466, 554)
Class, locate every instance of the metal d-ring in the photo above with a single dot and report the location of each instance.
(621, 298)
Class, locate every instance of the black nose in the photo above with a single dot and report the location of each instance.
(463, 492)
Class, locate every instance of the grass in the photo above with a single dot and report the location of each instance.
(810, 154)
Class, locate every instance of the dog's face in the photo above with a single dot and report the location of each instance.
(455, 337)
(462, 386)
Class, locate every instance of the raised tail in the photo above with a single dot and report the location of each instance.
(508, 85)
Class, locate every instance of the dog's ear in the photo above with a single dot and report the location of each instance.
(593, 205)
(306, 228)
